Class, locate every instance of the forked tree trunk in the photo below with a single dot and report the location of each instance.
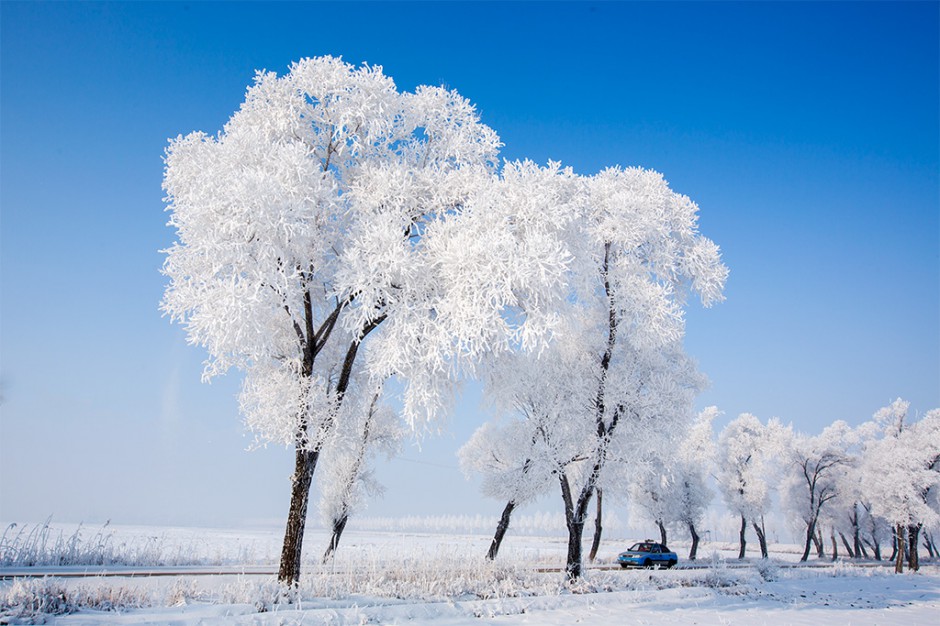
(598, 529)
(575, 516)
(913, 537)
(501, 529)
(929, 544)
(820, 545)
(338, 526)
(876, 548)
(743, 540)
(761, 538)
(856, 531)
(899, 549)
(305, 462)
(694, 550)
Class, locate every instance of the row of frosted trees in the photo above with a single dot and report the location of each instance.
(339, 233)
(859, 487)
(874, 485)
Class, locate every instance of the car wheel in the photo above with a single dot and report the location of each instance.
(670, 564)
(624, 565)
(647, 564)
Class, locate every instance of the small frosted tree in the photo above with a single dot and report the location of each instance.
(676, 493)
(346, 477)
(649, 492)
(812, 475)
(900, 470)
(690, 495)
(748, 463)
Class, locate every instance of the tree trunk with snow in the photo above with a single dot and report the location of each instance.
(899, 549)
(913, 537)
(848, 548)
(501, 529)
(693, 551)
(742, 538)
(835, 545)
(810, 533)
(818, 542)
(598, 529)
(929, 544)
(575, 525)
(305, 462)
(662, 532)
(338, 526)
(761, 538)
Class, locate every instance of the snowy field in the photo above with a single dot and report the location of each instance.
(428, 578)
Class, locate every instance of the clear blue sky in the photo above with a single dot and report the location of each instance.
(808, 134)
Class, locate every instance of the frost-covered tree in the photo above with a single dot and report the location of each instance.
(812, 475)
(748, 464)
(535, 435)
(673, 491)
(346, 476)
(636, 255)
(334, 215)
(901, 472)
(650, 493)
(690, 494)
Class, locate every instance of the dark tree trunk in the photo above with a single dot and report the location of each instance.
(899, 549)
(856, 531)
(694, 550)
(894, 544)
(501, 529)
(576, 510)
(864, 554)
(913, 537)
(662, 532)
(575, 515)
(575, 533)
(818, 542)
(743, 540)
(835, 545)
(848, 548)
(761, 538)
(810, 535)
(929, 544)
(338, 526)
(305, 462)
(598, 528)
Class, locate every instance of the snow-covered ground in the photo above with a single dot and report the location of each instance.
(415, 578)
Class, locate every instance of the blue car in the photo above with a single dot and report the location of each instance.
(647, 554)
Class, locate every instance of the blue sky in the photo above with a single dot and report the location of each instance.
(808, 133)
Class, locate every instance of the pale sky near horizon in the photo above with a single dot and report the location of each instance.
(808, 133)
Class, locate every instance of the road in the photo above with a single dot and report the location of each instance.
(91, 571)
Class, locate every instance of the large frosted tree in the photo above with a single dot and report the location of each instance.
(336, 222)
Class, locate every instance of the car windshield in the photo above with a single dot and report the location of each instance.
(640, 547)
